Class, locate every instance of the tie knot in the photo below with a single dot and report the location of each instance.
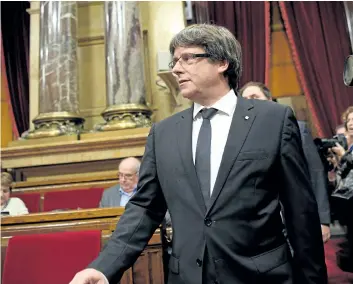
(208, 113)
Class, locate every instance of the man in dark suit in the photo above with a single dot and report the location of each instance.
(257, 90)
(221, 168)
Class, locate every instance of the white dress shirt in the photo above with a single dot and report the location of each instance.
(220, 124)
(125, 196)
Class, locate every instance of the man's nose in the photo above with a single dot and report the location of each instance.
(177, 69)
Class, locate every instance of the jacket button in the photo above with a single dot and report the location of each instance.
(208, 222)
(199, 262)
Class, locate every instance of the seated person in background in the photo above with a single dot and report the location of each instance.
(12, 206)
(119, 195)
(258, 91)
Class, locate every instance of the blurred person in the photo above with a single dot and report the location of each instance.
(259, 91)
(222, 187)
(120, 194)
(331, 158)
(343, 193)
(347, 117)
(12, 206)
(340, 129)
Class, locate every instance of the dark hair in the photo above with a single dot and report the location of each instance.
(217, 41)
(266, 91)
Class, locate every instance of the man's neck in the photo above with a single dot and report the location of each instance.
(214, 96)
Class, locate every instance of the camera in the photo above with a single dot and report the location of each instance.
(324, 144)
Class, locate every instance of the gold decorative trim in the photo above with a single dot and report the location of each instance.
(125, 116)
(55, 124)
(91, 40)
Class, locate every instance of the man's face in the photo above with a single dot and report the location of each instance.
(195, 75)
(127, 177)
(341, 130)
(254, 92)
(5, 195)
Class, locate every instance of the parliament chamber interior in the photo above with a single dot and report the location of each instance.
(82, 84)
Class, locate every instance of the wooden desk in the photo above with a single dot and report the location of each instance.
(148, 266)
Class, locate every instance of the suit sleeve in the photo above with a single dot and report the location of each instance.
(317, 174)
(300, 207)
(142, 216)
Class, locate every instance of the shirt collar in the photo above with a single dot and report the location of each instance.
(226, 104)
(122, 192)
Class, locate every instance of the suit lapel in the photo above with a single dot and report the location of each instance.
(243, 118)
(184, 138)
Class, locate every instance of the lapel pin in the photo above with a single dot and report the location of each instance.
(246, 117)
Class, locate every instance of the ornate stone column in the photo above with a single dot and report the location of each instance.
(125, 82)
(58, 87)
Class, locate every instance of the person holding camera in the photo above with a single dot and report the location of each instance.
(342, 160)
(343, 193)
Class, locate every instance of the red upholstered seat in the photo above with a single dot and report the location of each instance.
(72, 199)
(49, 258)
(31, 200)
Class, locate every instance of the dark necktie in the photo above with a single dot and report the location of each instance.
(203, 153)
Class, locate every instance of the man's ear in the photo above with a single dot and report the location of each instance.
(223, 66)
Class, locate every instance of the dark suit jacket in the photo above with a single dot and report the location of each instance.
(317, 173)
(263, 164)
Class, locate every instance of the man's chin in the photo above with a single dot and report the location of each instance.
(187, 94)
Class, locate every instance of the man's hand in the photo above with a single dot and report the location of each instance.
(89, 276)
(326, 233)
